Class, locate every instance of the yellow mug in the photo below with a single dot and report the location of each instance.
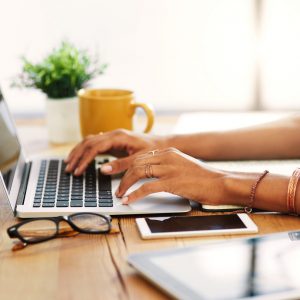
(104, 110)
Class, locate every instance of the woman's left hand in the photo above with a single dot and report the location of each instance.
(176, 173)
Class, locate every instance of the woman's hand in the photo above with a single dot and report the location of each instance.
(119, 143)
(176, 173)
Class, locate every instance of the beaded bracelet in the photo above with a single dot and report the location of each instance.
(291, 193)
(248, 209)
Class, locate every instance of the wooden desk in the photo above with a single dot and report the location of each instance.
(89, 266)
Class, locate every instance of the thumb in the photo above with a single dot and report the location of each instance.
(118, 165)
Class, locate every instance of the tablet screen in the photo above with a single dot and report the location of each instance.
(236, 269)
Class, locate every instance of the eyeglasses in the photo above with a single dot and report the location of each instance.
(39, 230)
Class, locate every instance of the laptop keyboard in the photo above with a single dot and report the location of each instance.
(55, 188)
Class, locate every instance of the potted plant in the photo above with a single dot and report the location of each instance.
(60, 75)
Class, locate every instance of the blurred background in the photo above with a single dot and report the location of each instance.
(180, 55)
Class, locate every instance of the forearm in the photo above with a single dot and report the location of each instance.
(280, 139)
(270, 194)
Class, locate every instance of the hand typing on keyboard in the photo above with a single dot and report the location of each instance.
(119, 143)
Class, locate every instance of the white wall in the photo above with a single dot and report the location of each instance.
(177, 54)
(280, 53)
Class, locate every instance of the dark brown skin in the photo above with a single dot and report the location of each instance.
(179, 173)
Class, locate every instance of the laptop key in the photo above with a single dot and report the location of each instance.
(48, 200)
(94, 199)
(76, 197)
(105, 192)
(105, 197)
(90, 195)
(90, 204)
(49, 195)
(48, 204)
(63, 196)
(76, 203)
(105, 204)
(63, 190)
(36, 204)
(62, 204)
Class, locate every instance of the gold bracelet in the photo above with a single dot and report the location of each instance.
(291, 193)
(248, 209)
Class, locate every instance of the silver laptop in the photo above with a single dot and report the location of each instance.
(41, 187)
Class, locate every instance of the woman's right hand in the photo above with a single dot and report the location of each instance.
(120, 143)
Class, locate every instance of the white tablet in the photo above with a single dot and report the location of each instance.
(174, 226)
(261, 268)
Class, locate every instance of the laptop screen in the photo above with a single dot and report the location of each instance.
(10, 149)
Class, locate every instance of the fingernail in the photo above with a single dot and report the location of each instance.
(76, 172)
(106, 168)
(66, 160)
(117, 192)
(67, 169)
(125, 200)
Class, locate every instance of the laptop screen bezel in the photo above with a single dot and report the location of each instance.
(16, 180)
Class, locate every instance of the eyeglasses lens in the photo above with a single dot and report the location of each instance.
(90, 222)
(37, 230)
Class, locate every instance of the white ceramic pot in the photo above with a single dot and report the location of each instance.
(62, 117)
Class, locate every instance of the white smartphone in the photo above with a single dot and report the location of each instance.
(164, 227)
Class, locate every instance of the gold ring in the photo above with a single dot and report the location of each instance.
(148, 171)
(151, 171)
(152, 152)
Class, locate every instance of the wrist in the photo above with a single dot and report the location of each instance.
(173, 141)
(237, 187)
(270, 193)
(202, 145)
(182, 142)
(162, 142)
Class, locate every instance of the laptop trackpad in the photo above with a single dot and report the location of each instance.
(158, 201)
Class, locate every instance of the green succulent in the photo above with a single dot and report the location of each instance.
(62, 73)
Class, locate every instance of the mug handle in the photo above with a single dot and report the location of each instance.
(149, 112)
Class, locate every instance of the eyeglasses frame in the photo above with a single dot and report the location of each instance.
(13, 232)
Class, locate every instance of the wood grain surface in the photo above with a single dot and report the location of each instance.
(89, 266)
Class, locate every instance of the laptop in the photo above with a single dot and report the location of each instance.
(40, 187)
(264, 267)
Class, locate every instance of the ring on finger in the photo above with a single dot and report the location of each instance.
(149, 171)
(153, 152)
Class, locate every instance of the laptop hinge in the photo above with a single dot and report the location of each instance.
(23, 186)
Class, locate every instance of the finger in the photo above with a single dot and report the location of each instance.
(145, 159)
(71, 154)
(135, 174)
(75, 156)
(92, 146)
(89, 154)
(103, 142)
(144, 190)
(117, 166)
(88, 157)
(122, 164)
(156, 156)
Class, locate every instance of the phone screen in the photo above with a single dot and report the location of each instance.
(196, 223)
